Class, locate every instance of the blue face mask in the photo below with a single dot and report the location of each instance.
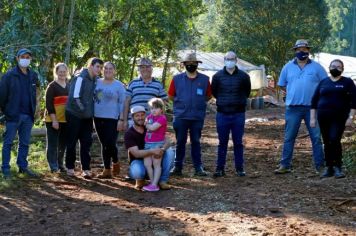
(302, 55)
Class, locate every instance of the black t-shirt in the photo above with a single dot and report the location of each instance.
(134, 138)
(336, 97)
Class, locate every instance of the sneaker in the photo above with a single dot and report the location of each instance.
(240, 173)
(164, 186)
(328, 172)
(150, 188)
(176, 171)
(200, 172)
(70, 172)
(338, 173)
(87, 174)
(219, 173)
(62, 169)
(282, 170)
(28, 172)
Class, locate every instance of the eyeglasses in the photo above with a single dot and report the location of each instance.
(230, 59)
(336, 67)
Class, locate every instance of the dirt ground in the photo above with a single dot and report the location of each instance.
(299, 203)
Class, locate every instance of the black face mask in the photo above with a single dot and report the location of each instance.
(191, 68)
(335, 72)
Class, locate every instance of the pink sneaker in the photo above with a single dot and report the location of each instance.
(151, 188)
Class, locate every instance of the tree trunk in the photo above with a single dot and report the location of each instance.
(69, 32)
(166, 64)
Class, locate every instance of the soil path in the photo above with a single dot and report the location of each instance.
(261, 203)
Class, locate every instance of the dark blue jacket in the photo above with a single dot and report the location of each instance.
(190, 98)
(10, 93)
(231, 90)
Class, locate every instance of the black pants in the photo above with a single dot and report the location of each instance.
(107, 133)
(332, 126)
(78, 129)
(56, 145)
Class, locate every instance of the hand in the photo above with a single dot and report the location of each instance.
(349, 122)
(79, 104)
(157, 151)
(312, 123)
(120, 125)
(124, 125)
(55, 125)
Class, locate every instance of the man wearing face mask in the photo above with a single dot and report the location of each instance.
(300, 77)
(190, 92)
(18, 102)
(231, 87)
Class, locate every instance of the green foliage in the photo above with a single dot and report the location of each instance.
(349, 154)
(264, 32)
(116, 30)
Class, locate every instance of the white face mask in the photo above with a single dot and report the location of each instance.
(24, 62)
(230, 64)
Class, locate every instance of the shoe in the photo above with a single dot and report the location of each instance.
(106, 174)
(87, 174)
(139, 184)
(55, 171)
(28, 172)
(70, 172)
(200, 172)
(219, 173)
(176, 171)
(150, 188)
(328, 172)
(240, 173)
(338, 172)
(164, 186)
(282, 170)
(6, 174)
(116, 169)
(62, 169)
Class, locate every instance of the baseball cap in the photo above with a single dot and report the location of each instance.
(136, 109)
(23, 51)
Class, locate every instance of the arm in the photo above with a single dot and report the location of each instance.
(171, 91)
(3, 91)
(214, 86)
(50, 106)
(122, 99)
(312, 118)
(248, 86)
(126, 111)
(76, 95)
(353, 104)
(145, 153)
(208, 91)
(153, 127)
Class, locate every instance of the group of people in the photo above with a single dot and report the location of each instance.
(74, 107)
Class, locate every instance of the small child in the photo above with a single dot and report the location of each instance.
(156, 124)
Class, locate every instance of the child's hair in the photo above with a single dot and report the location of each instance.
(156, 103)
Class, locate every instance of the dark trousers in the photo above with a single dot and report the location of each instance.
(56, 145)
(181, 128)
(78, 129)
(332, 127)
(107, 133)
(234, 123)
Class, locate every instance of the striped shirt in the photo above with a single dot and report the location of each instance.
(141, 92)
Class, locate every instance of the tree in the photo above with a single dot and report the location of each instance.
(264, 32)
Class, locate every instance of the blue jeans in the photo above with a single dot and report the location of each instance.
(181, 127)
(294, 117)
(23, 128)
(236, 124)
(137, 169)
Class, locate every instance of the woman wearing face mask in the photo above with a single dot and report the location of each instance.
(109, 97)
(56, 99)
(334, 105)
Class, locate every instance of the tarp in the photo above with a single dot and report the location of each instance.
(214, 61)
(349, 62)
